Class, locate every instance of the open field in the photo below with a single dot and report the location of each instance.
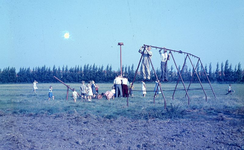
(30, 121)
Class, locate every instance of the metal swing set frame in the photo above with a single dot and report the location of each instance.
(188, 56)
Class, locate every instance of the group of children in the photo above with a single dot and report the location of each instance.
(90, 90)
(50, 92)
(119, 89)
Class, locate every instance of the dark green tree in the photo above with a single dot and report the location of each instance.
(238, 74)
(227, 73)
(222, 73)
(210, 76)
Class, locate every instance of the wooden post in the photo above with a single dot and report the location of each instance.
(67, 97)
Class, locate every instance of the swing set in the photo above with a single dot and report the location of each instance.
(188, 56)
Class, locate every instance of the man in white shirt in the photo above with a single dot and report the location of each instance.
(125, 87)
(118, 88)
(164, 59)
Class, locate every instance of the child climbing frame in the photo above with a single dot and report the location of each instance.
(189, 57)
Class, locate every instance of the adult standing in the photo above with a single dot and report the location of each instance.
(125, 87)
(146, 54)
(164, 69)
(118, 88)
(35, 86)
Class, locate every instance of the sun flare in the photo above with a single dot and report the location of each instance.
(66, 35)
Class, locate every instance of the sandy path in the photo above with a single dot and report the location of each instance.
(76, 132)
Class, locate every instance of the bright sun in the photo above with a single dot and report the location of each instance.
(66, 35)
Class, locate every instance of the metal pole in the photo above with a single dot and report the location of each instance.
(120, 44)
(171, 50)
(207, 78)
(121, 74)
(198, 78)
(158, 84)
(67, 96)
(192, 74)
(137, 69)
(180, 78)
(188, 54)
(135, 77)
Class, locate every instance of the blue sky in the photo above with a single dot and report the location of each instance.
(32, 31)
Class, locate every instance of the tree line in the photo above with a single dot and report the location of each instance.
(224, 72)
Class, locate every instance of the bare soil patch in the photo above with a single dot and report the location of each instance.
(73, 131)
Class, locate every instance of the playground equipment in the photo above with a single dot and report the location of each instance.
(188, 56)
(68, 87)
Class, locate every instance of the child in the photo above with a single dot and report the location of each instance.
(34, 86)
(50, 93)
(83, 89)
(75, 95)
(99, 96)
(113, 91)
(143, 88)
(156, 89)
(131, 90)
(110, 94)
(229, 90)
(89, 90)
(97, 87)
(93, 87)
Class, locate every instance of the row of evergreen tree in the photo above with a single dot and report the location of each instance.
(223, 73)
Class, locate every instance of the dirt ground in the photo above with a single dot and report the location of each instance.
(72, 131)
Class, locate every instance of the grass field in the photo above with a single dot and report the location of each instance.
(30, 121)
(20, 99)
